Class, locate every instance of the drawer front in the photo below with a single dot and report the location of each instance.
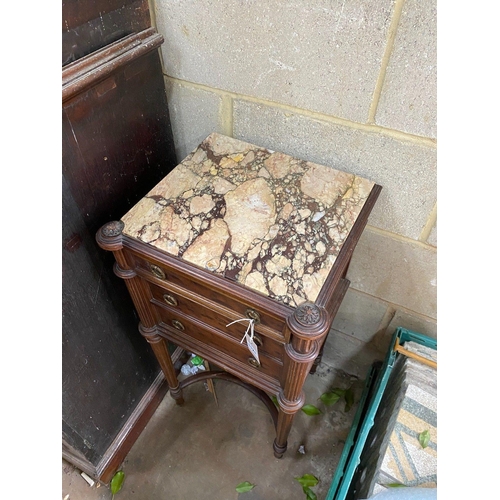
(219, 319)
(213, 339)
(267, 324)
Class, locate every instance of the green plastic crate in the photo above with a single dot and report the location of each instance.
(375, 384)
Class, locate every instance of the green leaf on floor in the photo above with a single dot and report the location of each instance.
(395, 485)
(307, 480)
(117, 482)
(244, 487)
(349, 399)
(197, 360)
(275, 400)
(311, 410)
(310, 495)
(330, 398)
(424, 438)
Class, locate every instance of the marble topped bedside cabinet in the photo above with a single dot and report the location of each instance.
(241, 240)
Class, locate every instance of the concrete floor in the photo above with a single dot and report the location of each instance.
(204, 450)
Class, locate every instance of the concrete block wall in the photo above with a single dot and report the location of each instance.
(346, 83)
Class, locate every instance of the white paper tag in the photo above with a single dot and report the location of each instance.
(252, 347)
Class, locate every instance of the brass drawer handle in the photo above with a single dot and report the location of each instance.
(157, 271)
(178, 325)
(253, 362)
(170, 299)
(258, 340)
(253, 314)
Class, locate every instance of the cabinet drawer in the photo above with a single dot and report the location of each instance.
(162, 274)
(219, 318)
(211, 339)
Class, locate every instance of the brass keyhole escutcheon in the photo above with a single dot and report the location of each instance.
(253, 314)
(170, 299)
(257, 339)
(177, 324)
(157, 271)
(253, 362)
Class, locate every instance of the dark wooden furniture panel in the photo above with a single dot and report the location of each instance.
(88, 26)
(117, 143)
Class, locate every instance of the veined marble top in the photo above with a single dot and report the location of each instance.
(269, 221)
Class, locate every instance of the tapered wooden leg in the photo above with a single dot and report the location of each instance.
(286, 411)
(283, 430)
(159, 346)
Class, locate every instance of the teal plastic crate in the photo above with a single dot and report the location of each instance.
(375, 384)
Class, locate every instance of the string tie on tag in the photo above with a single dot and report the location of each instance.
(252, 346)
(249, 327)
